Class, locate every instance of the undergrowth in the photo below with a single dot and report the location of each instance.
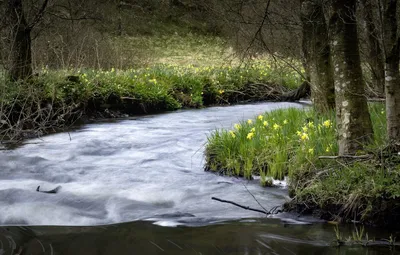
(289, 142)
(161, 87)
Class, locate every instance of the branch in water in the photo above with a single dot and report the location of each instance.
(241, 206)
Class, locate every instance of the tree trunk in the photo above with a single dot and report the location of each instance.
(353, 121)
(21, 53)
(316, 52)
(392, 76)
(375, 53)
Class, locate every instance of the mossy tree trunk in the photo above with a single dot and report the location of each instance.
(354, 122)
(392, 77)
(374, 51)
(316, 51)
(21, 53)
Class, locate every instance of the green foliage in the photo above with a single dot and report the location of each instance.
(167, 86)
(275, 144)
(279, 143)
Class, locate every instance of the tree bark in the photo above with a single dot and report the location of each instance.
(391, 42)
(353, 121)
(375, 52)
(316, 51)
(21, 52)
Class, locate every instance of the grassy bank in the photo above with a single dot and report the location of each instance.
(55, 98)
(289, 143)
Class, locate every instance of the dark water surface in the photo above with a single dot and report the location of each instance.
(258, 236)
(148, 170)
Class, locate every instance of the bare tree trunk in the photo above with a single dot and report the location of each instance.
(316, 52)
(353, 120)
(375, 53)
(391, 43)
(21, 52)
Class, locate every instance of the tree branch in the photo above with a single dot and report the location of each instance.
(241, 206)
(39, 15)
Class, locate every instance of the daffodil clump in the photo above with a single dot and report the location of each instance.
(285, 142)
(274, 144)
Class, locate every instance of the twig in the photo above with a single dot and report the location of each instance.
(238, 205)
(265, 210)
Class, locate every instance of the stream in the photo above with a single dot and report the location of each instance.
(138, 187)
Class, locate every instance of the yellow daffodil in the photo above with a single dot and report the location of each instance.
(304, 136)
(327, 123)
(298, 133)
(328, 149)
(276, 126)
(249, 121)
(310, 124)
(311, 151)
(305, 128)
(285, 122)
(253, 130)
(221, 91)
(232, 134)
(250, 135)
(265, 123)
(237, 126)
(260, 117)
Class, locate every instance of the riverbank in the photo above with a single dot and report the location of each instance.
(55, 99)
(300, 144)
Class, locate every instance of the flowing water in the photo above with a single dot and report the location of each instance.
(149, 170)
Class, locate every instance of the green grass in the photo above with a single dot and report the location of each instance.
(288, 142)
(173, 86)
(275, 144)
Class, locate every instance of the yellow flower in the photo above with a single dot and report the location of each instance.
(250, 135)
(310, 124)
(276, 126)
(382, 112)
(253, 130)
(304, 136)
(260, 117)
(298, 133)
(311, 151)
(285, 122)
(232, 134)
(328, 149)
(221, 91)
(327, 123)
(249, 121)
(265, 123)
(237, 126)
(305, 128)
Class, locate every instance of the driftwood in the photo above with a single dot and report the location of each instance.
(53, 191)
(272, 211)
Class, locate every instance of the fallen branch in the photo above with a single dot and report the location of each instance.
(241, 206)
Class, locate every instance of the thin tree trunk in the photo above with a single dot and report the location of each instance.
(375, 52)
(392, 76)
(21, 53)
(353, 120)
(316, 52)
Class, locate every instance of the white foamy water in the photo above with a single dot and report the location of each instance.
(150, 167)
